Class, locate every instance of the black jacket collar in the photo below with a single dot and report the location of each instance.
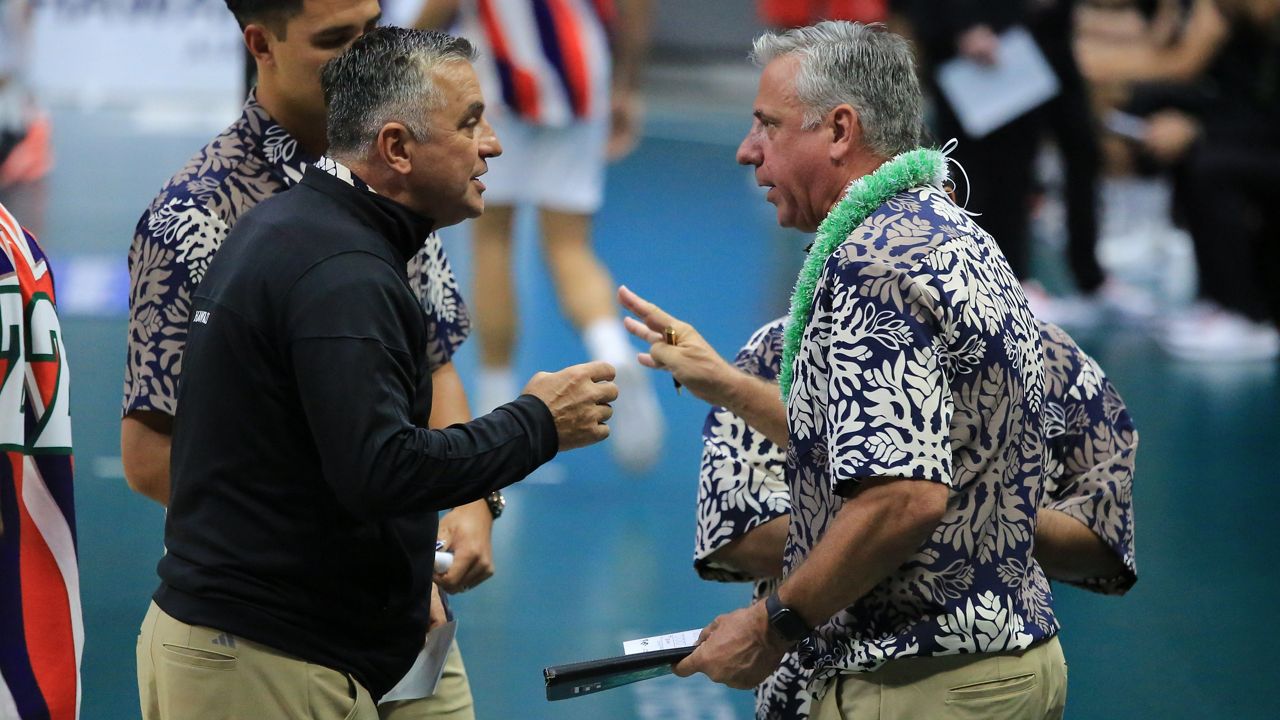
(404, 228)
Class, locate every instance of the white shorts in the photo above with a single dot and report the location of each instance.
(557, 168)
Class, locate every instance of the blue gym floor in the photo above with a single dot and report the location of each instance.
(589, 556)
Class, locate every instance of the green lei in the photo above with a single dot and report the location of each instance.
(922, 166)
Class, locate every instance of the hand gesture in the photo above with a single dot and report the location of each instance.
(578, 397)
(693, 362)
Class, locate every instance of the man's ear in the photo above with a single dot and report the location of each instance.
(846, 132)
(393, 145)
(257, 38)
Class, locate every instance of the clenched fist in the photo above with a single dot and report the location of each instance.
(578, 397)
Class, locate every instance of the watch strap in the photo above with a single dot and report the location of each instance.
(785, 621)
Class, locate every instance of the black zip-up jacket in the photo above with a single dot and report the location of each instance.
(305, 483)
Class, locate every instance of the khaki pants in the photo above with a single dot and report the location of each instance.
(998, 686)
(187, 672)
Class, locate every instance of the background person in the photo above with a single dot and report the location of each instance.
(26, 147)
(563, 81)
(1218, 129)
(1001, 164)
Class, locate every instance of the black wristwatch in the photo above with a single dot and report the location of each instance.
(785, 621)
(496, 503)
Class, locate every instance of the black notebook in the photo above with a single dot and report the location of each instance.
(585, 678)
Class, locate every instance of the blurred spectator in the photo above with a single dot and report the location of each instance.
(1070, 122)
(1001, 164)
(1219, 131)
(25, 154)
(561, 86)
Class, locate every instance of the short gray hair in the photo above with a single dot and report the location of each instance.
(865, 66)
(383, 77)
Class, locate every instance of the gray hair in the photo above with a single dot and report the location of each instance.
(865, 66)
(382, 78)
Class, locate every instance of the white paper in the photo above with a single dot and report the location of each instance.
(444, 561)
(685, 639)
(986, 97)
(422, 678)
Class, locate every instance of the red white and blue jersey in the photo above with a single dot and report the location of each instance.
(41, 631)
(546, 61)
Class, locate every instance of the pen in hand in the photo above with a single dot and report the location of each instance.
(669, 335)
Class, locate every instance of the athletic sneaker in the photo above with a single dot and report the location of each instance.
(1210, 334)
(1125, 302)
(1113, 302)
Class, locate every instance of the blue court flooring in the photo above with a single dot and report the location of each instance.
(589, 556)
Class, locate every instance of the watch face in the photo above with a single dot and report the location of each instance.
(793, 628)
(497, 503)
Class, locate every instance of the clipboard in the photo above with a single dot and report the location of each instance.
(987, 98)
(585, 678)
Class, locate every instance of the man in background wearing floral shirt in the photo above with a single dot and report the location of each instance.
(1084, 528)
(914, 385)
(280, 131)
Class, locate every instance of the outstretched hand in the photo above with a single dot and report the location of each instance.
(691, 359)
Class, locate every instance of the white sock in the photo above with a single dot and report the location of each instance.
(497, 387)
(607, 340)
(637, 424)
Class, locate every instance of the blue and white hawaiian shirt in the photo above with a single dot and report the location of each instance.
(1092, 446)
(1089, 475)
(185, 225)
(921, 360)
(741, 486)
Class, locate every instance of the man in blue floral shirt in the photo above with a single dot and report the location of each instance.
(1084, 530)
(913, 376)
(280, 131)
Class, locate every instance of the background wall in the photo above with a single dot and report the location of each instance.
(185, 53)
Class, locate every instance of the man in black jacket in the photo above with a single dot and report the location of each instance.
(305, 484)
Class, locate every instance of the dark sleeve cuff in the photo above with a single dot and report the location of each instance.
(536, 419)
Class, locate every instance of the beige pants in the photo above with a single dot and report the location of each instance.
(186, 671)
(997, 686)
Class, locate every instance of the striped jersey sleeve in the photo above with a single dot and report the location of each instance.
(41, 630)
(547, 60)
